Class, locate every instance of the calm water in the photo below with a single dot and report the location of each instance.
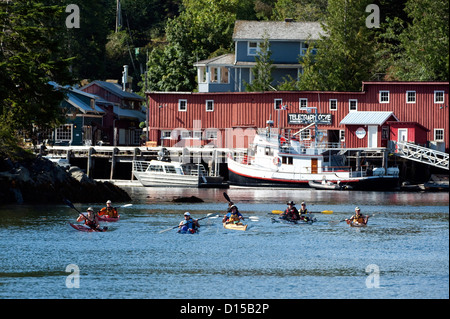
(403, 253)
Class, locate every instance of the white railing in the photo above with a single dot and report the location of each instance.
(421, 154)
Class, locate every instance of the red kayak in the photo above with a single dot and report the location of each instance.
(106, 218)
(87, 229)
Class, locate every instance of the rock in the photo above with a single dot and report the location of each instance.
(192, 199)
(40, 181)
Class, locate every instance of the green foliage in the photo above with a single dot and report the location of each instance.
(300, 10)
(30, 57)
(262, 71)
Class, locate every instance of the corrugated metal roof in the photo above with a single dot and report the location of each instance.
(116, 89)
(366, 118)
(277, 30)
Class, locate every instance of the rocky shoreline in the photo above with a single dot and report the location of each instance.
(39, 181)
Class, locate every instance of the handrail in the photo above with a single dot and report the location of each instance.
(421, 154)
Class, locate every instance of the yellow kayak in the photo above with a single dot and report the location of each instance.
(238, 226)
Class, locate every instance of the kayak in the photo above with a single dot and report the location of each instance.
(185, 230)
(294, 222)
(87, 229)
(106, 218)
(238, 226)
(356, 224)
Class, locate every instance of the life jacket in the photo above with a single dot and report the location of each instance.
(188, 224)
(292, 213)
(233, 217)
(110, 211)
(90, 223)
(358, 219)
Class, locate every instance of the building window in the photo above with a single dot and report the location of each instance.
(64, 133)
(182, 105)
(333, 105)
(166, 135)
(210, 134)
(342, 135)
(385, 132)
(303, 103)
(305, 134)
(352, 105)
(253, 48)
(438, 96)
(304, 48)
(384, 97)
(214, 75)
(438, 134)
(277, 104)
(202, 74)
(410, 96)
(209, 105)
(224, 78)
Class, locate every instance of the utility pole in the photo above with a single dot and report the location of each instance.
(118, 16)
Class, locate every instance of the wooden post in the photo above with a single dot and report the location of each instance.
(90, 162)
(113, 163)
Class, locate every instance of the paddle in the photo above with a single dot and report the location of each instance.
(207, 216)
(335, 222)
(278, 212)
(69, 203)
(227, 197)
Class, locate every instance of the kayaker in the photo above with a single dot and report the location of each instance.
(233, 215)
(291, 212)
(188, 224)
(304, 212)
(358, 217)
(109, 211)
(91, 219)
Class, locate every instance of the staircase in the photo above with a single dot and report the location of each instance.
(421, 154)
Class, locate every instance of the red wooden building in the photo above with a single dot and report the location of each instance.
(231, 119)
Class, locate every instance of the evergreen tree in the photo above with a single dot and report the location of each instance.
(345, 52)
(30, 57)
(262, 71)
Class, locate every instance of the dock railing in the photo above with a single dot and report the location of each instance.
(421, 154)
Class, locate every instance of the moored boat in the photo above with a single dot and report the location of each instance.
(273, 160)
(324, 185)
(238, 226)
(172, 174)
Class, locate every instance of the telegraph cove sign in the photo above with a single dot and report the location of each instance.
(308, 118)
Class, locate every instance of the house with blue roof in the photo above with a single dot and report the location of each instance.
(288, 43)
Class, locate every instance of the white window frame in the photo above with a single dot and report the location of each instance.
(253, 51)
(331, 106)
(300, 100)
(209, 105)
(436, 95)
(342, 135)
(210, 134)
(350, 105)
(407, 97)
(277, 103)
(383, 96)
(180, 105)
(62, 134)
(305, 135)
(438, 131)
(166, 135)
(304, 45)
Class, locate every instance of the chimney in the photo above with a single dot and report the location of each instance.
(124, 77)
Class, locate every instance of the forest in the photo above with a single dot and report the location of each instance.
(164, 38)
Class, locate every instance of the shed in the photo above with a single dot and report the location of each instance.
(367, 129)
(411, 132)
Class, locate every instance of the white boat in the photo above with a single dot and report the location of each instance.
(273, 160)
(172, 174)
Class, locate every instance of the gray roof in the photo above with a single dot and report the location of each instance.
(367, 118)
(226, 59)
(276, 30)
(115, 89)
